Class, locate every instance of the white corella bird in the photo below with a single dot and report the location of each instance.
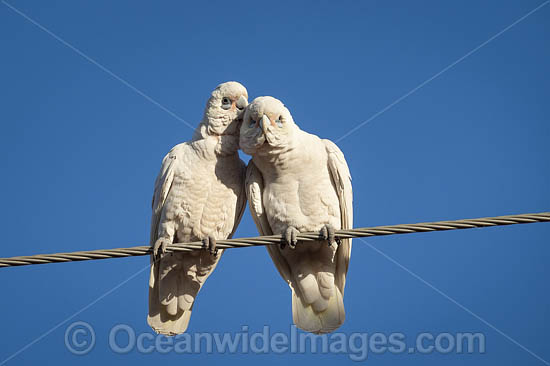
(297, 182)
(199, 195)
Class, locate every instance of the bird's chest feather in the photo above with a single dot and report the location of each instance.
(204, 198)
(306, 202)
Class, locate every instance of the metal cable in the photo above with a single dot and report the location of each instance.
(276, 239)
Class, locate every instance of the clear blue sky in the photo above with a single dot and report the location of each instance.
(79, 152)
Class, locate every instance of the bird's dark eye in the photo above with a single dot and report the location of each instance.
(226, 103)
(279, 121)
(251, 123)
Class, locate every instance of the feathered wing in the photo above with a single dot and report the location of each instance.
(163, 183)
(241, 202)
(176, 279)
(254, 192)
(254, 186)
(341, 180)
(158, 318)
(318, 306)
(304, 314)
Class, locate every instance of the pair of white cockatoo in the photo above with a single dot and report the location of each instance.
(295, 182)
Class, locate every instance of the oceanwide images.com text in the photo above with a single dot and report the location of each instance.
(80, 339)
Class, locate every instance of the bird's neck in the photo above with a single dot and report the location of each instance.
(210, 145)
(281, 161)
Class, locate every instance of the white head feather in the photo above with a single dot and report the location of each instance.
(267, 126)
(224, 109)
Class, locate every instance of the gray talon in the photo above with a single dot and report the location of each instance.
(290, 237)
(324, 233)
(159, 248)
(209, 243)
(327, 233)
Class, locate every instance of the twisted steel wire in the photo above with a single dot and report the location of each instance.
(276, 239)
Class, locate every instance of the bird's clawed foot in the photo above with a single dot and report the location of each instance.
(327, 233)
(159, 249)
(290, 237)
(209, 243)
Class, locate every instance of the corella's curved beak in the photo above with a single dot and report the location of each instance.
(242, 102)
(241, 105)
(264, 123)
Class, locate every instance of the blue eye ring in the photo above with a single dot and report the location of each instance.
(226, 103)
(279, 121)
(251, 123)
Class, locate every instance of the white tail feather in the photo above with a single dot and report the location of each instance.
(307, 318)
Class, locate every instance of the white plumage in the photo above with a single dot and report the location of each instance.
(297, 182)
(198, 196)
